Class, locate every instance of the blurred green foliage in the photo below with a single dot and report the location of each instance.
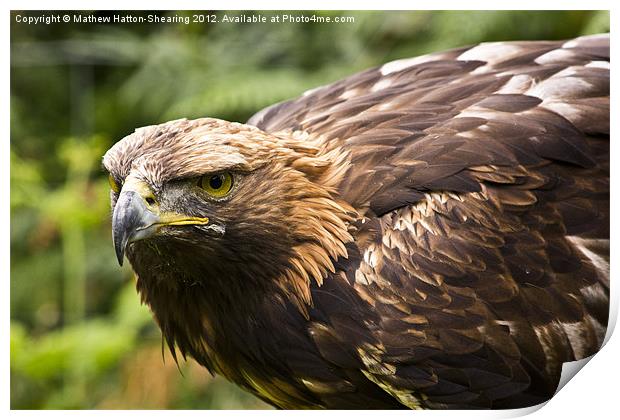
(79, 336)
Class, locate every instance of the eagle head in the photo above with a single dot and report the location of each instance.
(211, 201)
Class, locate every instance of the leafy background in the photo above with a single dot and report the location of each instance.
(79, 336)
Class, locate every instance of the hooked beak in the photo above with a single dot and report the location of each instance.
(134, 219)
(131, 221)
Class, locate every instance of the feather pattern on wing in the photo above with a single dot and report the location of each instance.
(483, 173)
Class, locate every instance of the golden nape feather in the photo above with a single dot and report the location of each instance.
(432, 233)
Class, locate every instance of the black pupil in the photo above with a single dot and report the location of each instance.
(216, 182)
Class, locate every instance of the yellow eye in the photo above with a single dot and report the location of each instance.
(113, 184)
(217, 185)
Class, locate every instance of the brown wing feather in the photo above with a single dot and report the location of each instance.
(484, 177)
(415, 127)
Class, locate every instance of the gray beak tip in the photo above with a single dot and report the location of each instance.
(120, 242)
(120, 256)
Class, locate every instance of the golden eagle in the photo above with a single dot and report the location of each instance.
(431, 233)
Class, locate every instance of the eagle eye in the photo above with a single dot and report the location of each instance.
(115, 186)
(216, 185)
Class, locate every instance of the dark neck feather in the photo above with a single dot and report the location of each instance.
(204, 307)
